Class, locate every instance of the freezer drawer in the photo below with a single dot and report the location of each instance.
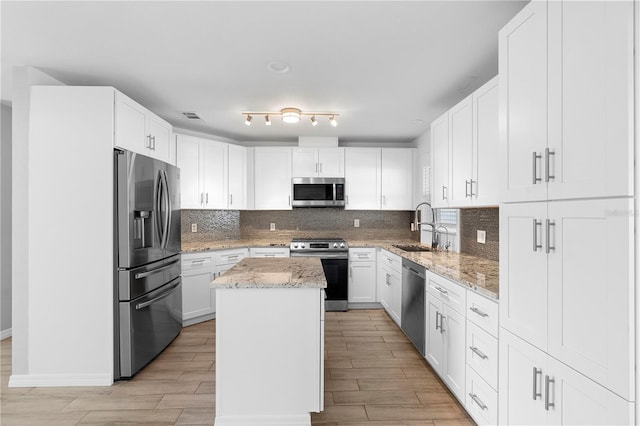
(147, 325)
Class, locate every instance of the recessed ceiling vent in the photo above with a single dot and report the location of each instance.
(191, 115)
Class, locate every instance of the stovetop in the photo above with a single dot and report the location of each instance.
(318, 244)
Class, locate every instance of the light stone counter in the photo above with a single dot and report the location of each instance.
(278, 272)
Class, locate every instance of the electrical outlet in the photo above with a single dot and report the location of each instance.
(412, 226)
(482, 237)
(194, 227)
(356, 223)
(272, 227)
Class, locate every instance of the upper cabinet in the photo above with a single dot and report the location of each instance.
(318, 162)
(141, 131)
(397, 179)
(566, 101)
(272, 178)
(212, 174)
(465, 142)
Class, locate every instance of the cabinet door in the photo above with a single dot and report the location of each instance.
(523, 102)
(486, 168)
(384, 288)
(440, 162)
(237, 177)
(523, 271)
(521, 382)
(591, 99)
(272, 178)
(362, 178)
(454, 366)
(130, 125)
(591, 321)
(197, 297)
(397, 179)
(304, 162)
(362, 282)
(188, 160)
(331, 162)
(214, 174)
(461, 151)
(160, 133)
(434, 343)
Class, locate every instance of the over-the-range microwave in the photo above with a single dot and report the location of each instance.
(317, 192)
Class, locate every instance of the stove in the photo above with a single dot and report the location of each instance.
(334, 253)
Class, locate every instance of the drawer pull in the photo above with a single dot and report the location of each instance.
(478, 401)
(198, 261)
(442, 291)
(477, 352)
(478, 311)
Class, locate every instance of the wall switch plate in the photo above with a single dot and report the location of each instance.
(272, 227)
(194, 227)
(482, 237)
(356, 223)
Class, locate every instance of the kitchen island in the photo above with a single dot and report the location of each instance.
(270, 342)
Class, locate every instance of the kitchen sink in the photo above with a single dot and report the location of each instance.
(412, 247)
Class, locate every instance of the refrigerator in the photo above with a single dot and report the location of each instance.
(147, 282)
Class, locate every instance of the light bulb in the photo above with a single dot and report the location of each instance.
(248, 120)
(267, 120)
(314, 122)
(333, 121)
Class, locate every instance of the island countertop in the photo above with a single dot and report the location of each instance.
(281, 272)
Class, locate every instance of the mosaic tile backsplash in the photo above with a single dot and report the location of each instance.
(472, 220)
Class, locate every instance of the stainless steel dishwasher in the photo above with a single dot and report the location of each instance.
(413, 307)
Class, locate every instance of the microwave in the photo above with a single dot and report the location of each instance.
(317, 192)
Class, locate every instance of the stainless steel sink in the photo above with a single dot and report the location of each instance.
(412, 247)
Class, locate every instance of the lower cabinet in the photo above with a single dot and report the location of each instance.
(390, 284)
(362, 275)
(535, 388)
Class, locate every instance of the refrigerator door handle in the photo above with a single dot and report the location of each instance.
(155, 271)
(162, 296)
(158, 220)
(167, 198)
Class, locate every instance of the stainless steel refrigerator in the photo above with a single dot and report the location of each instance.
(148, 287)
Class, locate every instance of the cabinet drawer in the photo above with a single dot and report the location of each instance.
(482, 354)
(393, 261)
(268, 252)
(196, 261)
(481, 401)
(448, 292)
(230, 256)
(362, 254)
(483, 312)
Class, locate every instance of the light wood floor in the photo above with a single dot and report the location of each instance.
(373, 376)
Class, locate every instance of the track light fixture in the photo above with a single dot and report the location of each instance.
(290, 116)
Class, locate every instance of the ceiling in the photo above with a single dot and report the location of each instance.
(388, 68)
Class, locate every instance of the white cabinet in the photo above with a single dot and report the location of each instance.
(237, 177)
(461, 152)
(269, 252)
(362, 178)
(390, 284)
(318, 162)
(566, 90)
(440, 161)
(484, 186)
(226, 259)
(568, 296)
(397, 179)
(272, 178)
(198, 300)
(362, 275)
(537, 389)
(141, 131)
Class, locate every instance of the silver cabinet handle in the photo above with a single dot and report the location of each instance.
(230, 199)
(442, 291)
(320, 167)
(547, 402)
(289, 199)
(149, 141)
(153, 140)
(444, 191)
(316, 167)
(471, 194)
(478, 352)
(536, 246)
(442, 318)
(478, 311)
(548, 246)
(478, 401)
(387, 279)
(534, 160)
(547, 153)
(437, 315)
(197, 261)
(207, 198)
(466, 189)
(536, 394)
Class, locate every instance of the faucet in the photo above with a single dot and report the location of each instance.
(448, 244)
(434, 238)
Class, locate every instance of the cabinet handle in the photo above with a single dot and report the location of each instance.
(202, 198)
(207, 198)
(478, 352)
(548, 246)
(442, 291)
(547, 402)
(316, 167)
(289, 199)
(153, 139)
(320, 167)
(536, 246)
(442, 318)
(437, 315)
(536, 394)
(547, 153)
(387, 282)
(444, 190)
(466, 189)
(478, 311)
(471, 194)
(534, 160)
(478, 401)
(230, 199)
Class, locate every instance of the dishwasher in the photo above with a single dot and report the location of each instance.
(412, 315)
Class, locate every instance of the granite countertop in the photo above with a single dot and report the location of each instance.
(279, 272)
(478, 274)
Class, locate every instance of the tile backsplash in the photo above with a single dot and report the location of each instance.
(485, 219)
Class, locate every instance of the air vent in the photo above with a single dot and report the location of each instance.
(191, 115)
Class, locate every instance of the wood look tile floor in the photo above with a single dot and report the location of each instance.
(373, 376)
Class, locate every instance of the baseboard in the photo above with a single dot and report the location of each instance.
(48, 380)
(196, 320)
(4, 334)
(266, 420)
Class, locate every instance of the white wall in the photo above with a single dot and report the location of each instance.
(5, 222)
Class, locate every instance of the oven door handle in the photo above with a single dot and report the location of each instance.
(322, 255)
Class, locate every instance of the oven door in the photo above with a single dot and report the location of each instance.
(335, 266)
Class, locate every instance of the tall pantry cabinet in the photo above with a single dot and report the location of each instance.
(567, 345)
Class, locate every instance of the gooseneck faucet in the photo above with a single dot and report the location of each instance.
(418, 223)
